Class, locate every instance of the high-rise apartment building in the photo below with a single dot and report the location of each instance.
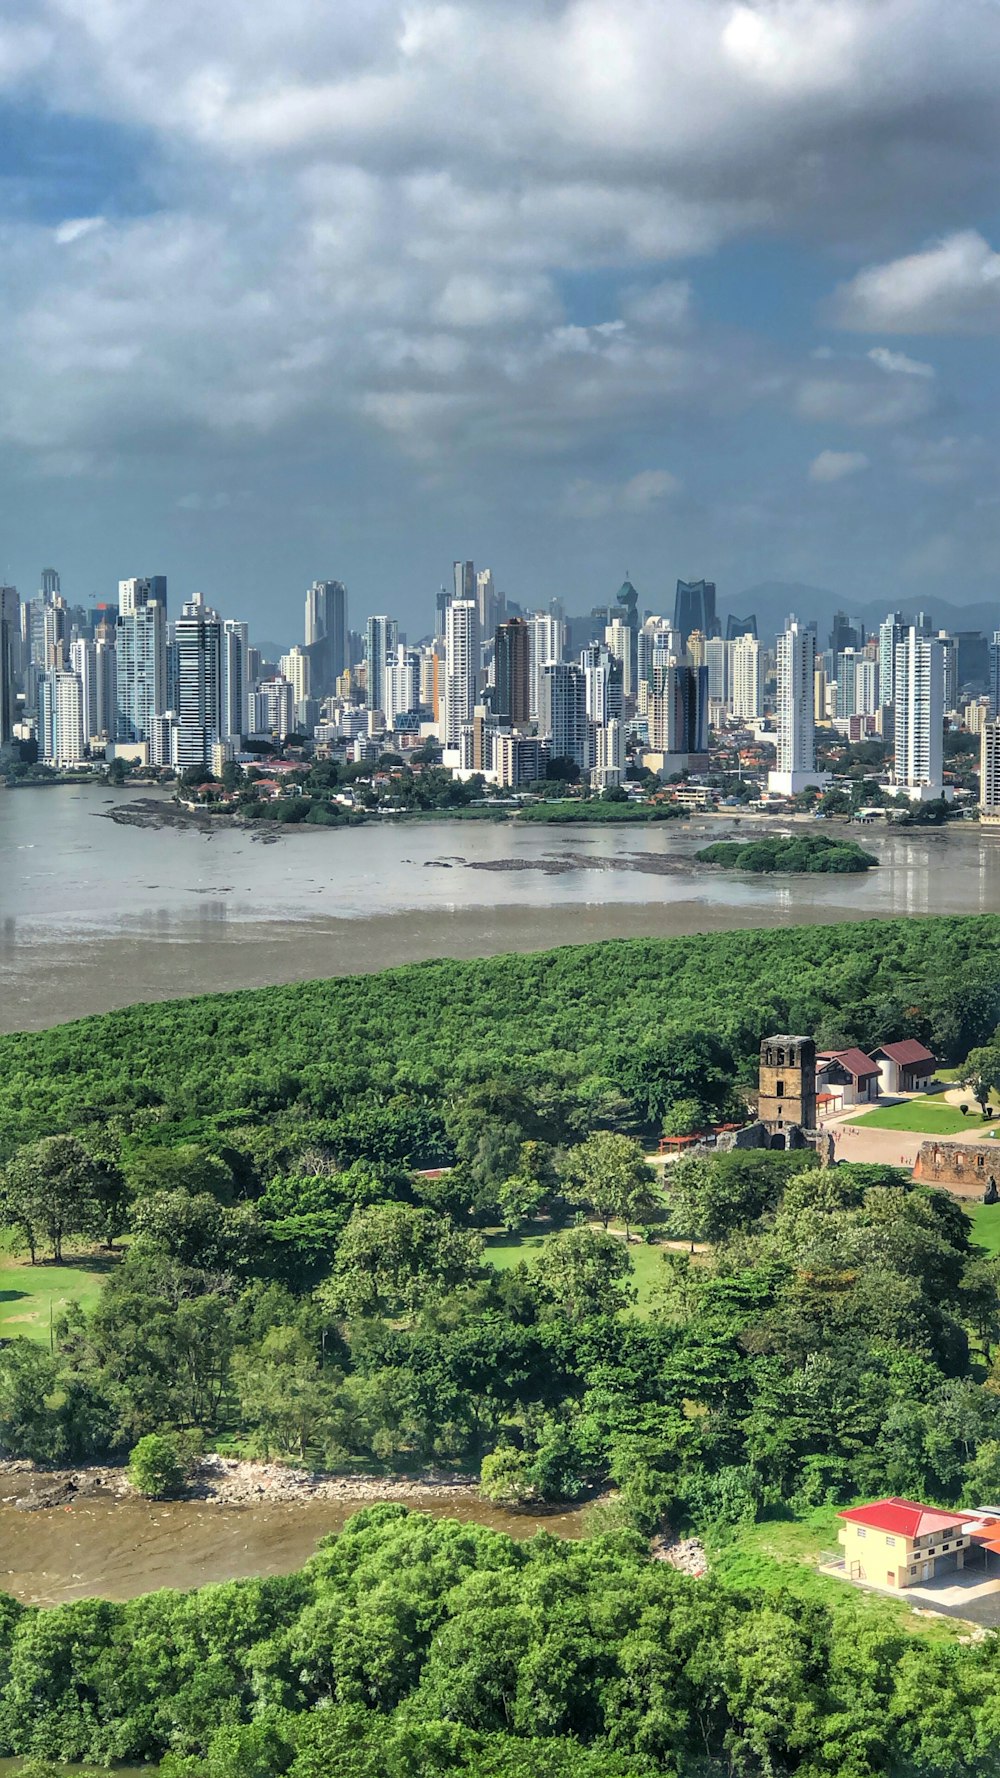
(796, 740)
(198, 707)
(546, 646)
(918, 689)
(402, 684)
(464, 581)
(866, 687)
(62, 741)
(748, 678)
(83, 661)
(989, 773)
(678, 714)
(381, 642)
(272, 708)
(603, 676)
(326, 634)
(141, 646)
(10, 659)
(511, 673)
(609, 755)
(235, 644)
(462, 653)
(487, 603)
(295, 667)
(563, 714)
(891, 632)
(694, 608)
(719, 662)
(132, 594)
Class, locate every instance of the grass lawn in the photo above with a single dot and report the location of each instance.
(985, 1225)
(784, 1553)
(929, 1116)
(30, 1294)
(505, 1250)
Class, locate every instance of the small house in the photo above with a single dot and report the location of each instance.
(846, 1077)
(899, 1543)
(904, 1067)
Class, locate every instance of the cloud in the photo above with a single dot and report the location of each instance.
(834, 466)
(586, 499)
(75, 228)
(950, 286)
(898, 364)
(881, 389)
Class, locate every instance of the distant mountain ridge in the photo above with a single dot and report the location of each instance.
(773, 601)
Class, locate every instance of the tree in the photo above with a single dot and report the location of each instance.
(155, 1468)
(612, 1177)
(981, 1073)
(581, 1273)
(393, 1258)
(51, 1189)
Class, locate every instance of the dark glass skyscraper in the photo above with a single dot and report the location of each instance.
(511, 688)
(694, 608)
(741, 626)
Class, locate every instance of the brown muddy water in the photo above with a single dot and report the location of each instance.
(95, 914)
(118, 1549)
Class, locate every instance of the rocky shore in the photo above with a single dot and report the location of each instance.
(224, 1481)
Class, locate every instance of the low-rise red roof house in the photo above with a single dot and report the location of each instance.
(899, 1543)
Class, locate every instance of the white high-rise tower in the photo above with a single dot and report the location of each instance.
(461, 667)
(918, 694)
(796, 761)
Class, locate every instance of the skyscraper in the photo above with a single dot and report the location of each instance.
(10, 659)
(487, 603)
(382, 640)
(694, 608)
(461, 667)
(326, 634)
(134, 593)
(719, 661)
(198, 655)
(546, 642)
(602, 673)
(740, 626)
(678, 712)
(989, 773)
(402, 684)
(141, 646)
(919, 699)
(61, 717)
(235, 679)
(464, 580)
(511, 683)
(796, 750)
(748, 678)
(563, 713)
(890, 634)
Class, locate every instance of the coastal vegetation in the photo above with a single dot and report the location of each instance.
(382, 1223)
(408, 1648)
(797, 853)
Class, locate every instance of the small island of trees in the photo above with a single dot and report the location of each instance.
(798, 854)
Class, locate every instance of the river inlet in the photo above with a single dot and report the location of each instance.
(96, 914)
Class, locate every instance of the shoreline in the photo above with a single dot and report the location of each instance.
(221, 1481)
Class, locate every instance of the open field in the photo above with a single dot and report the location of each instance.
(506, 1250)
(32, 1295)
(782, 1553)
(928, 1117)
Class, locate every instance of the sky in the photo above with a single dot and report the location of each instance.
(291, 291)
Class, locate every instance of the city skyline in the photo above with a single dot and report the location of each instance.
(710, 293)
